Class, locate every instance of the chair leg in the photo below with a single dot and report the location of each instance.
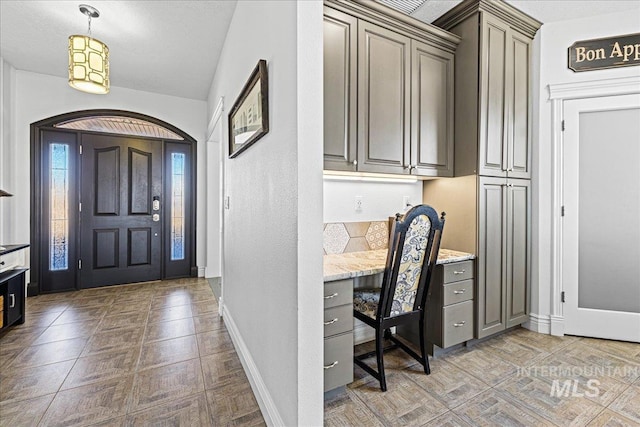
(379, 358)
(423, 348)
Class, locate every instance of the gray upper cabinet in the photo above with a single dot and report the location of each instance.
(504, 255)
(384, 67)
(505, 148)
(340, 85)
(431, 110)
(400, 71)
(493, 93)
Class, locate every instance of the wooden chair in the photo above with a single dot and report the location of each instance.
(413, 251)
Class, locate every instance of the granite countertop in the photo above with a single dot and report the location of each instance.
(365, 263)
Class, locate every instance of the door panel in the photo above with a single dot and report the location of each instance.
(518, 235)
(491, 257)
(340, 85)
(384, 99)
(121, 243)
(493, 131)
(601, 226)
(432, 110)
(519, 162)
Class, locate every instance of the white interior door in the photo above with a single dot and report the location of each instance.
(601, 226)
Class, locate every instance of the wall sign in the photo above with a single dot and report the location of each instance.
(610, 52)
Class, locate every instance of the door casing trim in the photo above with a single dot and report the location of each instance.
(36, 241)
(558, 94)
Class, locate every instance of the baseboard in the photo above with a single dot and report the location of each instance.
(538, 323)
(201, 271)
(267, 406)
(557, 325)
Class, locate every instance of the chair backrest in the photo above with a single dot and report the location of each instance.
(413, 251)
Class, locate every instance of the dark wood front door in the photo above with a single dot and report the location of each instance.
(121, 233)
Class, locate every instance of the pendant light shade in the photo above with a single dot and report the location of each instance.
(88, 59)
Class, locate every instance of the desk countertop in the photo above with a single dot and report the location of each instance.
(11, 248)
(365, 263)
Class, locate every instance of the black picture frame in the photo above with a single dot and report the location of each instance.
(249, 116)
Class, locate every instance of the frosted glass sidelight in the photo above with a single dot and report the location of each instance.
(59, 208)
(177, 205)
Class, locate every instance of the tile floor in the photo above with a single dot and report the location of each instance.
(134, 355)
(505, 381)
(159, 354)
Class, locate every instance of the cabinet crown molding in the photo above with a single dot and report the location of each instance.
(514, 17)
(380, 14)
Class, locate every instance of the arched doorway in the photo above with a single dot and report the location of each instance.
(112, 200)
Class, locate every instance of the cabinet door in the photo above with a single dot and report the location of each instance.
(492, 257)
(493, 97)
(518, 250)
(340, 85)
(383, 100)
(15, 299)
(519, 113)
(431, 110)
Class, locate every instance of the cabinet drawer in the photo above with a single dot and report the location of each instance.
(338, 361)
(457, 271)
(338, 320)
(11, 260)
(339, 292)
(457, 323)
(456, 292)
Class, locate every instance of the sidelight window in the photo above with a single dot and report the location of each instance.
(59, 207)
(177, 205)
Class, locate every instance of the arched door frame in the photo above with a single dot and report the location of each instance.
(36, 205)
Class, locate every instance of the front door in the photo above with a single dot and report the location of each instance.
(121, 191)
(601, 226)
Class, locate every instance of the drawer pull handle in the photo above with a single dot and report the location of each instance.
(457, 325)
(461, 291)
(331, 296)
(331, 321)
(331, 366)
(13, 300)
(459, 272)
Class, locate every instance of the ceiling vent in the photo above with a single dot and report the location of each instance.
(404, 6)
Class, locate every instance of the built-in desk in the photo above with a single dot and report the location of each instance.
(449, 305)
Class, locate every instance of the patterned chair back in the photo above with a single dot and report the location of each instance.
(413, 252)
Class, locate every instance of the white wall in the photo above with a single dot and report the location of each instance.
(38, 96)
(7, 100)
(380, 200)
(554, 40)
(272, 282)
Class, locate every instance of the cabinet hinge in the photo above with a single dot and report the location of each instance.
(562, 211)
(79, 264)
(80, 148)
(562, 296)
(563, 125)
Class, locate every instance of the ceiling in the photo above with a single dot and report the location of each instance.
(168, 47)
(542, 10)
(172, 47)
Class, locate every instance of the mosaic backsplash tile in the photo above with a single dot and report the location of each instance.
(344, 237)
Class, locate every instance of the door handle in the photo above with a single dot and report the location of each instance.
(155, 217)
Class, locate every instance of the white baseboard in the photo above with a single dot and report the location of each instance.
(267, 406)
(540, 323)
(557, 325)
(201, 271)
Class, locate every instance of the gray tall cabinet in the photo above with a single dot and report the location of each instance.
(488, 205)
(388, 91)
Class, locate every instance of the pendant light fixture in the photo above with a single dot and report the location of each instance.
(88, 59)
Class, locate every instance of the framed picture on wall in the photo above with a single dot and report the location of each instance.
(249, 116)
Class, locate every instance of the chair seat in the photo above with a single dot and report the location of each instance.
(366, 301)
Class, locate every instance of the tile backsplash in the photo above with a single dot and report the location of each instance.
(341, 237)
